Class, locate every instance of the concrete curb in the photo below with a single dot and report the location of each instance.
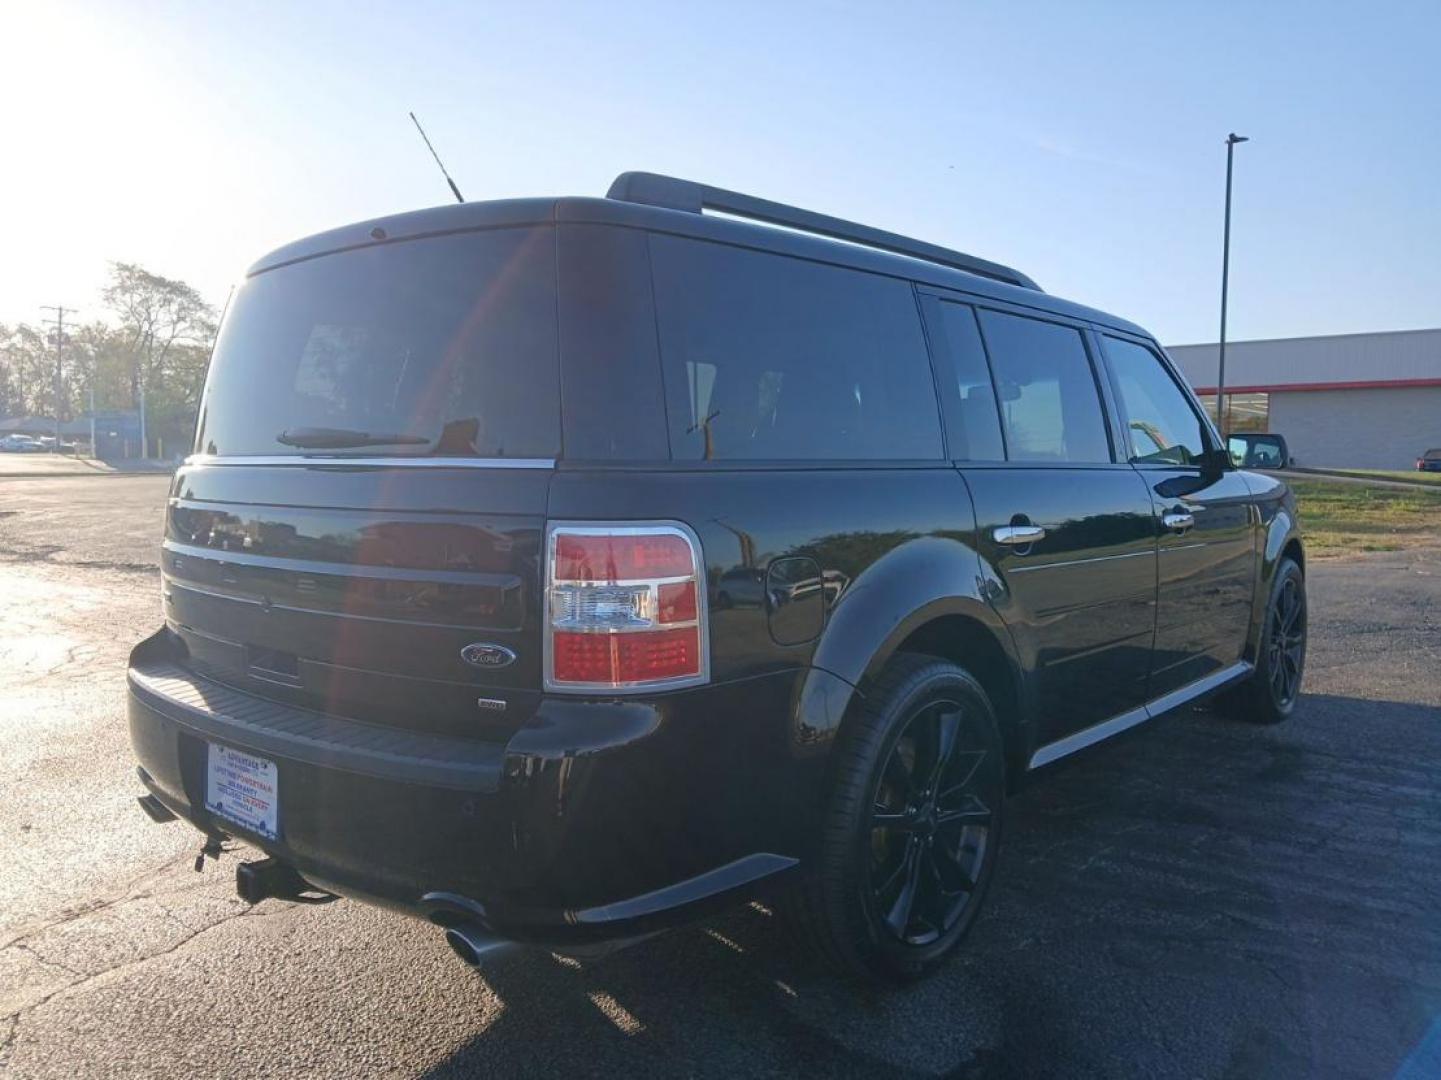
(1370, 477)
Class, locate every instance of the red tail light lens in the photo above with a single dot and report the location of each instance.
(616, 557)
(624, 608)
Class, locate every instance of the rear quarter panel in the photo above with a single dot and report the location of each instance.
(892, 545)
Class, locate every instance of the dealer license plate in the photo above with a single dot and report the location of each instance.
(243, 788)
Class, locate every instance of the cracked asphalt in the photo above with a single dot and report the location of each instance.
(1202, 898)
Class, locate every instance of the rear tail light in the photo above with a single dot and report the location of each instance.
(624, 608)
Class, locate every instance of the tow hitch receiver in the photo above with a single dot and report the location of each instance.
(273, 879)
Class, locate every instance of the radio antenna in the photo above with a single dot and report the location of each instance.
(458, 196)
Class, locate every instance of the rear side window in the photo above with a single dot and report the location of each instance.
(1050, 406)
(979, 423)
(770, 357)
(1160, 423)
(445, 347)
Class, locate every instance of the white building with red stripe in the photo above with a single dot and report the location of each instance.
(1364, 401)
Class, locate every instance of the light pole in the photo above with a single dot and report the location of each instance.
(59, 353)
(1231, 141)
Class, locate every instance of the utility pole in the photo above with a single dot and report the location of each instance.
(1231, 141)
(59, 353)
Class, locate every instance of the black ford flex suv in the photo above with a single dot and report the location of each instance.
(557, 570)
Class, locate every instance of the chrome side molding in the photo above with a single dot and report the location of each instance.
(1079, 740)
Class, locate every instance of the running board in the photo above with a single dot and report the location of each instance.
(1165, 703)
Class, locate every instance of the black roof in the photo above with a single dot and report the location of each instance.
(929, 264)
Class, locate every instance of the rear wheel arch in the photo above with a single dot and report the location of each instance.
(924, 596)
(973, 646)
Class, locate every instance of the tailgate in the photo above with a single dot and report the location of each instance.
(355, 589)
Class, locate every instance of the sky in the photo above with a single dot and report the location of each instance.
(1080, 143)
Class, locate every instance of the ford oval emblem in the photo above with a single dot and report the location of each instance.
(482, 654)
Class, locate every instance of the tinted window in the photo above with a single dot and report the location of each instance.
(766, 356)
(1161, 425)
(444, 346)
(1050, 407)
(980, 434)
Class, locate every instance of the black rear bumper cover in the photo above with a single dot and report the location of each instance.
(549, 838)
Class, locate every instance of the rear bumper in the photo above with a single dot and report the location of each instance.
(598, 820)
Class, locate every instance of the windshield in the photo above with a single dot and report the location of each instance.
(440, 347)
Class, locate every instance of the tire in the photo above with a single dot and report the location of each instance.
(893, 831)
(1269, 695)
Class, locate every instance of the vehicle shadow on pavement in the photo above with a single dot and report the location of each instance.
(1202, 898)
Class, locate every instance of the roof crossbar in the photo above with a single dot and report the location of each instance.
(652, 189)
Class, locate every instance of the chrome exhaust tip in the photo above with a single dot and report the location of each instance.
(473, 943)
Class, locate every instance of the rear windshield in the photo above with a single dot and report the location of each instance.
(440, 347)
(1433, 455)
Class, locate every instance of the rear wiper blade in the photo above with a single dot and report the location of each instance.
(322, 438)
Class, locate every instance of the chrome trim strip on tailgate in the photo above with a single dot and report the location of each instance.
(375, 462)
(489, 579)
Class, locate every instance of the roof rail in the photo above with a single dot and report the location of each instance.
(673, 194)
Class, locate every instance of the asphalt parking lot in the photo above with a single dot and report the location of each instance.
(1199, 899)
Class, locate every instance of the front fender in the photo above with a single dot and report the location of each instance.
(922, 580)
(1280, 524)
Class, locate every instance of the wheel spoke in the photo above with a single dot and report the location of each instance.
(900, 778)
(947, 735)
(971, 812)
(902, 865)
(899, 916)
(951, 876)
(901, 820)
(968, 764)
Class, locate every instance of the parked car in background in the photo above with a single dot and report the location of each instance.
(1257, 450)
(557, 570)
(21, 444)
(1430, 461)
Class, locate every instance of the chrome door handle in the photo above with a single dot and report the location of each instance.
(1178, 522)
(1018, 535)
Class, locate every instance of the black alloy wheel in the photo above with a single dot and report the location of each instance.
(912, 825)
(1286, 645)
(1270, 693)
(930, 823)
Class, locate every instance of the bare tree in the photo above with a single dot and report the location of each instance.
(166, 329)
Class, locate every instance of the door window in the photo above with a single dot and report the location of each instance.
(1161, 425)
(1050, 406)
